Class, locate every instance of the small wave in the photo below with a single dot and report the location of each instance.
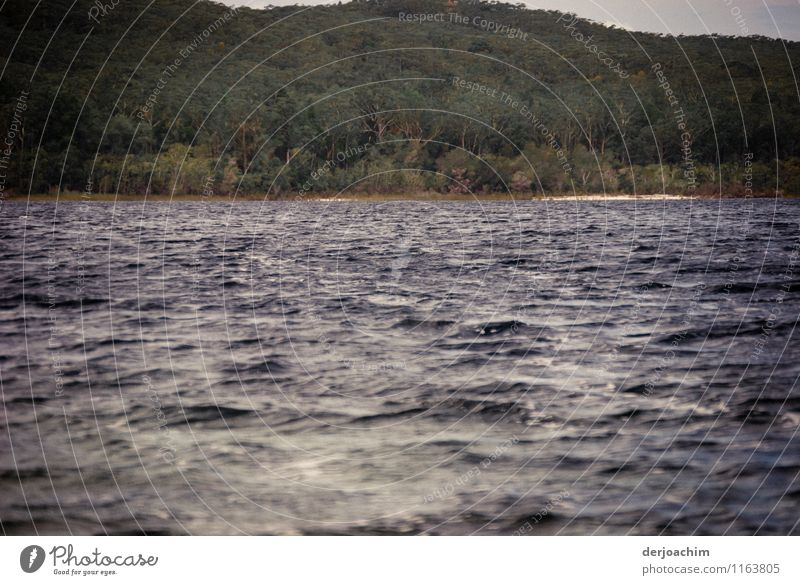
(412, 323)
(409, 412)
(494, 411)
(13, 301)
(500, 327)
(750, 287)
(205, 413)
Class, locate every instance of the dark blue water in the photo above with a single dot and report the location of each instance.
(391, 368)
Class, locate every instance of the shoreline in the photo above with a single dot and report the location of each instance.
(111, 197)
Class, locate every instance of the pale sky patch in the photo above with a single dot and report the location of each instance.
(772, 18)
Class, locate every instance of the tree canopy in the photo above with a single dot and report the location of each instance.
(184, 96)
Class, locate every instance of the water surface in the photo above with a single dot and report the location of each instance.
(400, 368)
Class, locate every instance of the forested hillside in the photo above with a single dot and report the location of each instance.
(405, 96)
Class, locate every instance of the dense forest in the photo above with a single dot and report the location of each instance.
(384, 96)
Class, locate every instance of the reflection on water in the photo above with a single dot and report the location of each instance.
(447, 368)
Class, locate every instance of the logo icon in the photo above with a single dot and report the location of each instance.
(31, 558)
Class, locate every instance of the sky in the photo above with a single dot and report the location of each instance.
(772, 18)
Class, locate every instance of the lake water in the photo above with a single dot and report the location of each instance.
(400, 368)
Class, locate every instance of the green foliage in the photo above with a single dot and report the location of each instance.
(269, 97)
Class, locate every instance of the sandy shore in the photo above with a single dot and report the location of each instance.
(66, 197)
